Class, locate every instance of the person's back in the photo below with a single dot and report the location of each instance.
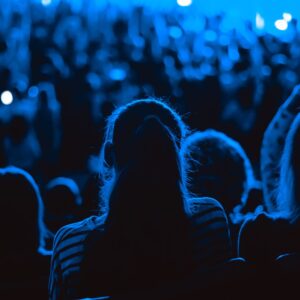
(218, 167)
(151, 236)
(23, 270)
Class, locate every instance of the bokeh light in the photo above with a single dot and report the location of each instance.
(287, 17)
(281, 25)
(184, 2)
(7, 98)
(46, 2)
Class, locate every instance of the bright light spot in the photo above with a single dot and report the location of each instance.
(260, 22)
(117, 74)
(184, 2)
(281, 25)
(7, 98)
(287, 17)
(46, 2)
(33, 92)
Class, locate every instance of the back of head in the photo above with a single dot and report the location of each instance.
(147, 212)
(218, 167)
(22, 211)
(62, 200)
(18, 128)
(288, 199)
(122, 132)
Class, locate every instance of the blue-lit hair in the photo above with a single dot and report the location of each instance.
(147, 216)
(288, 194)
(22, 209)
(213, 153)
(131, 116)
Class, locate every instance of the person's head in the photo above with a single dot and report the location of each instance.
(22, 210)
(218, 167)
(62, 200)
(143, 135)
(144, 191)
(288, 194)
(18, 128)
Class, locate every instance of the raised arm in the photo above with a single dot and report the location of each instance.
(272, 146)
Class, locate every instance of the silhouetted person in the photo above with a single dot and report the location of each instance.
(218, 167)
(62, 202)
(23, 269)
(21, 146)
(263, 238)
(150, 235)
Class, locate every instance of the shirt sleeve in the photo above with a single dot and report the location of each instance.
(55, 286)
(210, 233)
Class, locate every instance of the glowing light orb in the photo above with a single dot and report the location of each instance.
(46, 2)
(33, 91)
(287, 17)
(281, 25)
(184, 2)
(259, 21)
(7, 98)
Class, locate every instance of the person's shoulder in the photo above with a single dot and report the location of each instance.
(265, 221)
(261, 219)
(79, 230)
(204, 204)
(207, 211)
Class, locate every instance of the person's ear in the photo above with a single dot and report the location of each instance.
(109, 153)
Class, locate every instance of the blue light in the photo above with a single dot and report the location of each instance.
(46, 2)
(184, 2)
(287, 17)
(281, 25)
(259, 21)
(7, 98)
(33, 91)
(210, 36)
(117, 74)
(175, 32)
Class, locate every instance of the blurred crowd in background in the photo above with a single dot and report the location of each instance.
(62, 72)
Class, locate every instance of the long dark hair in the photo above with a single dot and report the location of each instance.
(288, 199)
(146, 212)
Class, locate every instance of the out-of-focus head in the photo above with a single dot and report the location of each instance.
(22, 210)
(62, 199)
(217, 166)
(288, 200)
(18, 128)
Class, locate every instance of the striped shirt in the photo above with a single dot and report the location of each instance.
(209, 234)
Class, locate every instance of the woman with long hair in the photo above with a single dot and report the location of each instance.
(149, 233)
(270, 234)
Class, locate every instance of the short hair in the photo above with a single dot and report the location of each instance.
(213, 153)
(62, 200)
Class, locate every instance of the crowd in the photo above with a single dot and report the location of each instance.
(146, 155)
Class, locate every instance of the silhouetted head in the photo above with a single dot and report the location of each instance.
(146, 216)
(218, 167)
(288, 200)
(62, 201)
(22, 226)
(131, 127)
(18, 128)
